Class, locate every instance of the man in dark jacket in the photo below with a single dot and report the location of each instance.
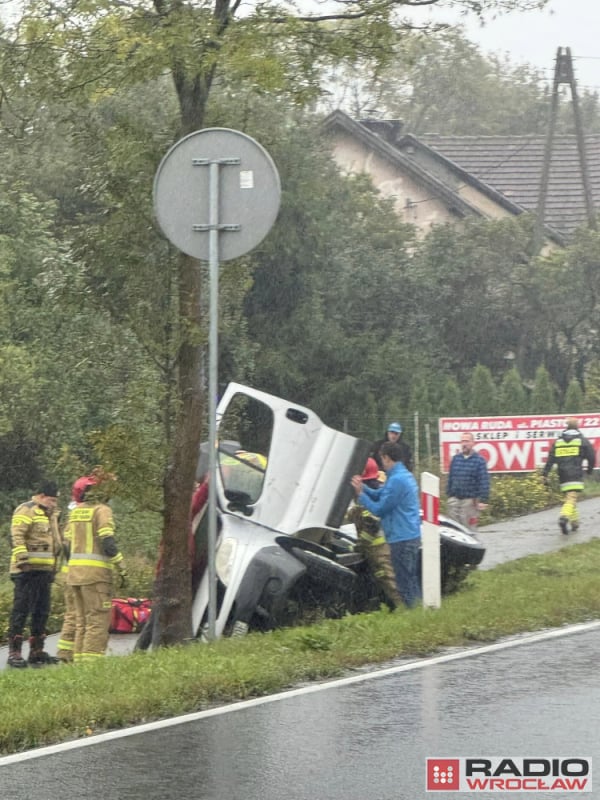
(569, 452)
(393, 434)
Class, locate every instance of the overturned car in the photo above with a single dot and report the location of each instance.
(283, 552)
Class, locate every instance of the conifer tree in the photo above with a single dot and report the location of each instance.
(513, 399)
(543, 396)
(573, 403)
(482, 396)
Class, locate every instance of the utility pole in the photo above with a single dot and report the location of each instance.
(563, 73)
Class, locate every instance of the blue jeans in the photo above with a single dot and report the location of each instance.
(405, 560)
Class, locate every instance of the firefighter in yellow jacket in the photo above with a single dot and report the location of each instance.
(66, 639)
(36, 546)
(94, 561)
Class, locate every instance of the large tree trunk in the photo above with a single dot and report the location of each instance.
(173, 603)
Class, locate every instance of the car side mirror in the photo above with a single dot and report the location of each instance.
(239, 501)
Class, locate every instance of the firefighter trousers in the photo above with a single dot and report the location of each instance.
(93, 602)
(569, 508)
(31, 598)
(66, 640)
(377, 553)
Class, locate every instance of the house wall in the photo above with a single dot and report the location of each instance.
(413, 202)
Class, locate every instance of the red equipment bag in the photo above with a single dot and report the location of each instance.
(129, 614)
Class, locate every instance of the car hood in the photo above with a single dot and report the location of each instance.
(306, 481)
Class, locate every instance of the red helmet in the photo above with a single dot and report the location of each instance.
(81, 485)
(371, 470)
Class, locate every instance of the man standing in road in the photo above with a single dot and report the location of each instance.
(569, 452)
(468, 486)
(396, 504)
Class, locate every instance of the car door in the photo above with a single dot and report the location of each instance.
(296, 470)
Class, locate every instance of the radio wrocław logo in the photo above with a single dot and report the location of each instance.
(509, 774)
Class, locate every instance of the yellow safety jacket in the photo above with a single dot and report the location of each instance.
(35, 538)
(67, 536)
(91, 527)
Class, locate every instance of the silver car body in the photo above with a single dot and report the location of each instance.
(305, 487)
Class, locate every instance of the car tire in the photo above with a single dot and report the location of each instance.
(460, 548)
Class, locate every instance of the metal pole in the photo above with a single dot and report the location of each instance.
(416, 450)
(213, 351)
(585, 175)
(538, 233)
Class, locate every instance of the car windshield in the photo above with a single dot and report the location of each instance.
(242, 472)
(245, 431)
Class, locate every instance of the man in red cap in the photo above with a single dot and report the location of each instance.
(66, 639)
(372, 541)
(94, 562)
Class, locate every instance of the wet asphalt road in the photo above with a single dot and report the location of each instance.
(367, 740)
(536, 533)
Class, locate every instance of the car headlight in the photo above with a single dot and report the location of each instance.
(224, 559)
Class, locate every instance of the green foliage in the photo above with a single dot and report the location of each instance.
(443, 82)
(573, 403)
(480, 309)
(515, 495)
(592, 387)
(543, 396)
(513, 399)
(451, 402)
(482, 395)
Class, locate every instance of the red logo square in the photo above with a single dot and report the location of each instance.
(443, 774)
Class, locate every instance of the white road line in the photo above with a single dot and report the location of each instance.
(317, 687)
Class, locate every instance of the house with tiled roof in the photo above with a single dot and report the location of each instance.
(434, 179)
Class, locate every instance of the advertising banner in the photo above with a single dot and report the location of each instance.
(512, 444)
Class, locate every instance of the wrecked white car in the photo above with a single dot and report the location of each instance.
(283, 554)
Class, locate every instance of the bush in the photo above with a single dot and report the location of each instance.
(514, 495)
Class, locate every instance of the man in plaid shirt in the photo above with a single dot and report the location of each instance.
(468, 484)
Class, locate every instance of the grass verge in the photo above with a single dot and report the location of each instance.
(39, 707)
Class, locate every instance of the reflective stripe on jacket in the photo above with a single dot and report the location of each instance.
(569, 452)
(89, 525)
(34, 537)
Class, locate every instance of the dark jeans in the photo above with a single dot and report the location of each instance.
(405, 560)
(31, 597)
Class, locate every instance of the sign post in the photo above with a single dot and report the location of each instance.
(216, 196)
(430, 541)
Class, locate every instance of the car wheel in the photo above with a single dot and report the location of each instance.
(460, 548)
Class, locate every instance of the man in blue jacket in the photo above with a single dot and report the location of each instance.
(396, 503)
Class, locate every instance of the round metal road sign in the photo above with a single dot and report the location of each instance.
(245, 181)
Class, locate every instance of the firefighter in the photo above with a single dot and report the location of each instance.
(372, 542)
(66, 640)
(569, 452)
(94, 562)
(36, 546)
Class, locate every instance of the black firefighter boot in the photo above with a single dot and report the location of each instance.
(15, 659)
(37, 655)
